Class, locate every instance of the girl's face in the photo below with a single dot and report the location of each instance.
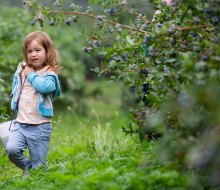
(36, 55)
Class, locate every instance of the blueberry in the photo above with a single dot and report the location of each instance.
(112, 11)
(207, 10)
(33, 22)
(132, 89)
(203, 57)
(172, 29)
(96, 43)
(193, 34)
(159, 25)
(172, 41)
(117, 58)
(151, 52)
(214, 20)
(100, 18)
(68, 21)
(145, 87)
(196, 20)
(146, 40)
(144, 72)
(41, 23)
(74, 19)
(87, 49)
(124, 56)
(144, 99)
(26, 3)
(51, 22)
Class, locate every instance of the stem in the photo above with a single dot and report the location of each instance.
(191, 27)
(95, 17)
(122, 26)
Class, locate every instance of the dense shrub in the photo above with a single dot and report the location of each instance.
(171, 65)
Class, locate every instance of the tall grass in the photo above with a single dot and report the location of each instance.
(91, 152)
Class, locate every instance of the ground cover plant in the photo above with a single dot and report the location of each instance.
(170, 64)
(93, 152)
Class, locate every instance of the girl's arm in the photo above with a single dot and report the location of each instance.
(44, 85)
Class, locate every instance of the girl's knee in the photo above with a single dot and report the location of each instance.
(12, 152)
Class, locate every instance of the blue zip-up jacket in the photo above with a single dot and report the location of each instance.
(47, 87)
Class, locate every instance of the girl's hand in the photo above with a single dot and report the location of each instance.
(27, 70)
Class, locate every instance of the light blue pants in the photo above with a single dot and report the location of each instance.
(34, 137)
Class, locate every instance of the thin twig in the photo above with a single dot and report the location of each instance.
(95, 17)
(192, 27)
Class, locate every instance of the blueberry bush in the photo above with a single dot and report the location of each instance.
(170, 64)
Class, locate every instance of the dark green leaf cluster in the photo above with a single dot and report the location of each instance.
(171, 64)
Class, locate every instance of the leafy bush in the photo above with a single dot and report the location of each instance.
(12, 32)
(173, 58)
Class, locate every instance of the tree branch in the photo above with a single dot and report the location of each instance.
(95, 17)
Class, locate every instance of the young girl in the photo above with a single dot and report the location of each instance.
(34, 85)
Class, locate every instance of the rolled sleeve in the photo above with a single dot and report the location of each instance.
(44, 85)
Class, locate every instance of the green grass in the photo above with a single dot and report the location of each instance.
(91, 152)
